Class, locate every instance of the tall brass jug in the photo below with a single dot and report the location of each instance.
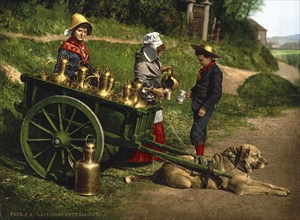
(127, 97)
(105, 84)
(137, 95)
(61, 77)
(87, 171)
(82, 80)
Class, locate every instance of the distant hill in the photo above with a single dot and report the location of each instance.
(286, 41)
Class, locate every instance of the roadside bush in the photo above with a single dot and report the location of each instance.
(10, 120)
(265, 89)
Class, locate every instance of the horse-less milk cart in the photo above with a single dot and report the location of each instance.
(58, 118)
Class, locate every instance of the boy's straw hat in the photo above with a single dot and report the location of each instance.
(206, 50)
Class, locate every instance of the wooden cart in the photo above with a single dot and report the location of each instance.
(57, 120)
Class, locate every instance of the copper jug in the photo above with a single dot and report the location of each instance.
(87, 171)
(61, 77)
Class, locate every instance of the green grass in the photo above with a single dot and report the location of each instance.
(24, 192)
(285, 52)
(291, 57)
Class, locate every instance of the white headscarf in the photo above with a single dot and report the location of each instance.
(68, 32)
(151, 42)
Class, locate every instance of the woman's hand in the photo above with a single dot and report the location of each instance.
(165, 69)
(189, 95)
(158, 92)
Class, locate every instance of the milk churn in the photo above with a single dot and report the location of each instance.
(87, 171)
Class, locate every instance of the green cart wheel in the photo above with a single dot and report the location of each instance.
(53, 135)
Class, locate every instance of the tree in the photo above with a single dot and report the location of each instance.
(240, 10)
(233, 16)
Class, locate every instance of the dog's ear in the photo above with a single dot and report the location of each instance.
(244, 152)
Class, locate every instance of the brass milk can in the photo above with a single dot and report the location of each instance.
(87, 171)
(61, 77)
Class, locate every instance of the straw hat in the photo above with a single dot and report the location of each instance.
(206, 50)
(78, 19)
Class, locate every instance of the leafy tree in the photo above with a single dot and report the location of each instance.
(242, 9)
(233, 15)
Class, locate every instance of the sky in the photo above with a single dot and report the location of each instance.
(279, 17)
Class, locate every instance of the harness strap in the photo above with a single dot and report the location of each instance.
(235, 158)
(208, 172)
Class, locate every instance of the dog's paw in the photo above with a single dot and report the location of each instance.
(287, 191)
(283, 192)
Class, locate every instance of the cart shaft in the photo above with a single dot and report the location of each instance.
(182, 162)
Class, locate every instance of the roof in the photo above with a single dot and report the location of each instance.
(257, 25)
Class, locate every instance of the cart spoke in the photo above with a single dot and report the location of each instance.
(71, 158)
(63, 158)
(43, 151)
(76, 147)
(41, 127)
(108, 151)
(38, 139)
(71, 119)
(49, 120)
(51, 162)
(77, 139)
(83, 125)
(60, 117)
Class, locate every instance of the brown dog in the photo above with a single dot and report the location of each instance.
(240, 161)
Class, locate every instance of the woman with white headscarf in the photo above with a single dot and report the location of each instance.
(74, 48)
(147, 69)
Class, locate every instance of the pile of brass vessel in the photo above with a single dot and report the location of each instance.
(102, 84)
(131, 95)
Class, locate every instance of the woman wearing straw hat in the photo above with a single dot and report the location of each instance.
(205, 94)
(74, 48)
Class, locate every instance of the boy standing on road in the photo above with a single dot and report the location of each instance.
(205, 94)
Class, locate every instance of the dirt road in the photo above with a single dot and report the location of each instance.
(277, 138)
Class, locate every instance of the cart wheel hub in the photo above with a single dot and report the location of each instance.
(61, 139)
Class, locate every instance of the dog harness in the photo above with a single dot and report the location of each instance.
(235, 158)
